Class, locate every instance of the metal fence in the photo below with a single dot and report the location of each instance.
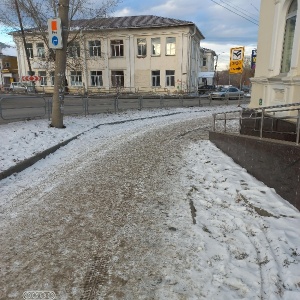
(19, 107)
(227, 121)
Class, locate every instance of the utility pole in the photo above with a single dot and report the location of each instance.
(60, 68)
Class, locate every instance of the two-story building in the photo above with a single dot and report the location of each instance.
(207, 75)
(8, 68)
(138, 53)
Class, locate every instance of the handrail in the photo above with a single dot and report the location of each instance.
(263, 115)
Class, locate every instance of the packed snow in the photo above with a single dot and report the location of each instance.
(243, 241)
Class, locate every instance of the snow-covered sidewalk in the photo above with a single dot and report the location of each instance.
(181, 219)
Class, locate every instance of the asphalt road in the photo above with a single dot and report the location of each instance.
(15, 107)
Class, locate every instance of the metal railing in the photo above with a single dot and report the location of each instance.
(24, 107)
(260, 114)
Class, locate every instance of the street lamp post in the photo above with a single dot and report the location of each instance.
(215, 71)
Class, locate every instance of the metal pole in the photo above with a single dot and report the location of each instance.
(298, 127)
(214, 122)
(225, 122)
(262, 122)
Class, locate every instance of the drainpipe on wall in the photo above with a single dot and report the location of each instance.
(85, 65)
(190, 58)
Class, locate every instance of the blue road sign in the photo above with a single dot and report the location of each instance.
(55, 40)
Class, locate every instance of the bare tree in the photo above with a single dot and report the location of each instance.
(34, 15)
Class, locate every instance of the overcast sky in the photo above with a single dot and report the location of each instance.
(223, 23)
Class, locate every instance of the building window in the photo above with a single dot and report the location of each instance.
(289, 37)
(76, 77)
(6, 65)
(95, 48)
(117, 78)
(29, 50)
(40, 50)
(170, 78)
(155, 78)
(142, 47)
(117, 48)
(43, 77)
(204, 61)
(74, 50)
(170, 46)
(52, 78)
(96, 78)
(155, 46)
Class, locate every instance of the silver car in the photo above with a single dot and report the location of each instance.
(228, 93)
(18, 87)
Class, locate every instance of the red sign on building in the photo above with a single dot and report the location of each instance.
(31, 78)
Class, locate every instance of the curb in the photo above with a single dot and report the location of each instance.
(21, 166)
(26, 163)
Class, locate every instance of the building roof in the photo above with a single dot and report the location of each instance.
(127, 22)
(131, 22)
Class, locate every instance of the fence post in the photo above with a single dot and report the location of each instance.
(225, 121)
(85, 104)
(161, 101)
(116, 104)
(240, 122)
(1, 108)
(181, 100)
(214, 122)
(49, 109)
(298, 127)
(262, 123)
(141, 102)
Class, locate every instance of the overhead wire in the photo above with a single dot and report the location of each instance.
(239, 9)
(244, 17)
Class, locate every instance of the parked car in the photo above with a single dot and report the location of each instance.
(205, 89)
(228, 93)
(18, 87)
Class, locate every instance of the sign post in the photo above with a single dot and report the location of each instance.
(54, 30)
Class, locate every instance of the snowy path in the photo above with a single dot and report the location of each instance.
(146, 210)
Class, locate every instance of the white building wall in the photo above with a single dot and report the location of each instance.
(137, 70)
(269, 85)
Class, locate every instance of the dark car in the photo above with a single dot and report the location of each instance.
(205, 89)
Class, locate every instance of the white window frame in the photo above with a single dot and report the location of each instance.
(289, 36)
(141, 47)
(95, 48)
(74, 50)
(171, 46)
(29, 49)
(117, 48)
(76, 78)
(117, 78)
(96, 78)
(155, 46)
(155, 78)
(170, 78)
(40, 48)
(43, 75)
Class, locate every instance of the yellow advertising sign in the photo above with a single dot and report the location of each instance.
(236, 60)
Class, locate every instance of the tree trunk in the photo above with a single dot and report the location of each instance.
(60, 68)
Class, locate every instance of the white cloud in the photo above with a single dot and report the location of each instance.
(124, 12)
